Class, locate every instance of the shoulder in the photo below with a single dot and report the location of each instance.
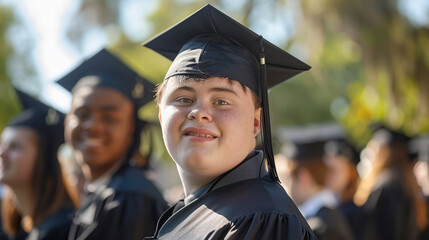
(242, 203)
(131, 180)
(255, 195)
(54, 227)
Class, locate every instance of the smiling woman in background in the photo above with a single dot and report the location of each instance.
(36, 205)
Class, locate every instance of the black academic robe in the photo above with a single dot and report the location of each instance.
(127, 208)
(354, 216)
(424, 235)
(330, 224)
(389, 210)
(55, 227)
(244, 203)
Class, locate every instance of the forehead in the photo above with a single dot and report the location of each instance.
(10, 134)
(99, 96)
(207, 83)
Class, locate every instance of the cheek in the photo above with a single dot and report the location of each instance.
(171, 120)
(71, 126)
(24, 163)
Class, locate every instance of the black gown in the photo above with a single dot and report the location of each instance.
(330, 224)
(127, 208)
(389, 210)
(244, 203)
(424, 235)
(354, 215)
(55, 227)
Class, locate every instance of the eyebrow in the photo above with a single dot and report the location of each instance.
(102, 108)
(214, 89)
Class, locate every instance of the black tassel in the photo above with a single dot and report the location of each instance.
(266, 125)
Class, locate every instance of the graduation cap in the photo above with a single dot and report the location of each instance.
(106, 70)
(419, 148)
(308, 142)
(45, 120)
(342, 148)
(209, 43)
(387, 136)
(304, 151)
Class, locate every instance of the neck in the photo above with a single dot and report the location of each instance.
(25, 200)
(192, 183)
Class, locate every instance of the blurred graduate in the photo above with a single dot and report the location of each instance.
(305, 173)
(389, 194)
(341, 159)
(37, 204)
(103, 129)
(212, 106)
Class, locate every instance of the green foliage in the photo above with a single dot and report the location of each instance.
(8, 103)
(384, 76)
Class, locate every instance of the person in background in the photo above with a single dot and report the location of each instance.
(305, 175)
(391, 199)
(419, 154)
(36, 204)
(103, 129)
(341, 159)
(212, 105)
(71, 170)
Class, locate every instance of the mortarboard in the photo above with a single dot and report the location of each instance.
(342, 148)
(419, 148)
(304, 151)
(387, 136)
(209, 43)
(45, 120)
(106, 70)
(308, 142)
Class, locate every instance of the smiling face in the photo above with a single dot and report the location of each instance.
(99, 128)
(18, 155)
(208, 126)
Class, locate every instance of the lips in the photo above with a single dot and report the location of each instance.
(199, 132)
(93, 142)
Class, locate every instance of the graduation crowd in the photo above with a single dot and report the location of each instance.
(213, 106)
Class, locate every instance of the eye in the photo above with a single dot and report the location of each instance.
(184, 100)
(108, 118)
(220, 102)
(81, 114)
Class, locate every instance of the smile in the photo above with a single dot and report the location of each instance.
(199, 135)
(93, 142)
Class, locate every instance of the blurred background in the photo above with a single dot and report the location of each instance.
(369, 58)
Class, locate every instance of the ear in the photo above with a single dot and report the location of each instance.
(159, 116)
(257, 121)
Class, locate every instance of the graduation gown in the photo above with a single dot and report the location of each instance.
(330, 224)
(128, 207)
(424, 235)
(55, 227)
(354, 216)
(389, 210)
(244, 203)
(326, 221)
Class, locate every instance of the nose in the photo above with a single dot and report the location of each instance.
(92, 123)
(3, 152)
(199, 113)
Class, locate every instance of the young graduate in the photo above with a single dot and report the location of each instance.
(307, 173)
(419, 154)
(37, 204)
(103, 130)
(389, 194)
(212, 106)
(341, 158)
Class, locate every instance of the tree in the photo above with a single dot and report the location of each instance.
(386, 61)
(8, 103)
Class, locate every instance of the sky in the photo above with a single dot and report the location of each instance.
(55, 57)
